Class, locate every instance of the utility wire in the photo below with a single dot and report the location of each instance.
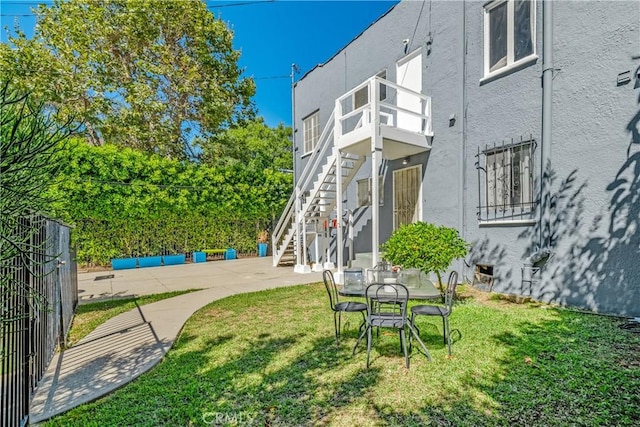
(209, 6)
(270, 77)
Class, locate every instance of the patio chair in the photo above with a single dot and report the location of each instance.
(386, 308)
(338, 307)
(437, 310)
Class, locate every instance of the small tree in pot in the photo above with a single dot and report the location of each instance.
(425, 246)
(263, 239)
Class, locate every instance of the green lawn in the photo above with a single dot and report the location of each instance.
(269, 358)
(89, 316)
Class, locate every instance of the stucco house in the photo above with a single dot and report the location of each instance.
(514, 121)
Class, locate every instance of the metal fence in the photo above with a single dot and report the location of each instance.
(39, 295)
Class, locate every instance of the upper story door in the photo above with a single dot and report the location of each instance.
(409, 75)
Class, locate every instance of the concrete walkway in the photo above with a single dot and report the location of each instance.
(130, 344)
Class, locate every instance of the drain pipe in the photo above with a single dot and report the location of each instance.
(547, 91)
(463, 147)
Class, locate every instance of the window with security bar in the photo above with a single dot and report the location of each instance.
(505, 181)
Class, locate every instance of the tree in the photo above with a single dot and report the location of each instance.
(253, 144)
(425, 246)
(148, 74)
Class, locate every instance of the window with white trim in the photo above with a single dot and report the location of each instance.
(361, 97)
(506, 192)
(311, 131)
(364, 192)
(509, 34)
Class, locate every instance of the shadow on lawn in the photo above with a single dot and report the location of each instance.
(569, 370)
(255, 388)
(574, 369)
(553, 367)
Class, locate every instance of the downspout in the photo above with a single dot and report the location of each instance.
(547, 91)
(463, 150)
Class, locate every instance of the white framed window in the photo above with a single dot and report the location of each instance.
(311, 131)
(361, 97)
(364, 192)
(508, 181)
(509, 34)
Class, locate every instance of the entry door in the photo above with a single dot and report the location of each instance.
(409, 75)
(407, 204)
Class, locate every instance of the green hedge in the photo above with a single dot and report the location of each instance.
(99, 241)
(125, 203)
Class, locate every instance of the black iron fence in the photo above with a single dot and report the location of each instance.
(39, 294)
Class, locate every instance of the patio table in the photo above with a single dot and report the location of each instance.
(425, 290)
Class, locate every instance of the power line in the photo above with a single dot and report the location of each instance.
(246, 3)
(270, 77)
(209, 6)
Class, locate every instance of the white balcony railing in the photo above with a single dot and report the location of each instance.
(386, 103)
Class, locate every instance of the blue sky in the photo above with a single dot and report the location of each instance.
(272, 35)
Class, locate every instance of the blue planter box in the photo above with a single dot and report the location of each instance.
(199, 257)
(262, 249)
(150, 261)
(173, 259)
(230, 254)
(124, 263)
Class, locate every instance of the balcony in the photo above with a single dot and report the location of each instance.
(379, 114)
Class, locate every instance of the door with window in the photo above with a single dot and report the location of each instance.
(409, 75)
(407, 205)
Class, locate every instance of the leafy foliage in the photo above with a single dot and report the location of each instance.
(126, 203)
(149, 74)
(252, 144)
(29, 143)
(425, 246)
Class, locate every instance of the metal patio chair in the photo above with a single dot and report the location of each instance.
(437, 310)
(338, 307)
(386, 308)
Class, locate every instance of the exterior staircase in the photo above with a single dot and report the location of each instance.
(392, 127)
(315, 198)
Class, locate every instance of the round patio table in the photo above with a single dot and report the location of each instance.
(426, 291)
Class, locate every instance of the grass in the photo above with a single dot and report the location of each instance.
(89, 316)
(270, 359)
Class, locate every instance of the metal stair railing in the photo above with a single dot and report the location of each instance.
(279, 240)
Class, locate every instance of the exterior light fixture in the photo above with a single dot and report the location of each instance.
(406, 160)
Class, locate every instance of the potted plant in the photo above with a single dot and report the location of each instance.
(175, 259)
(425, 246)
(263, 238)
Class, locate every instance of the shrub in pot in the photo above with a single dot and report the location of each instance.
(263, 238)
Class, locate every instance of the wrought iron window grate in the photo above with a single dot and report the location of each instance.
(505, 180)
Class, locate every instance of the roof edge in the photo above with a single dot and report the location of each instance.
(320, 65)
